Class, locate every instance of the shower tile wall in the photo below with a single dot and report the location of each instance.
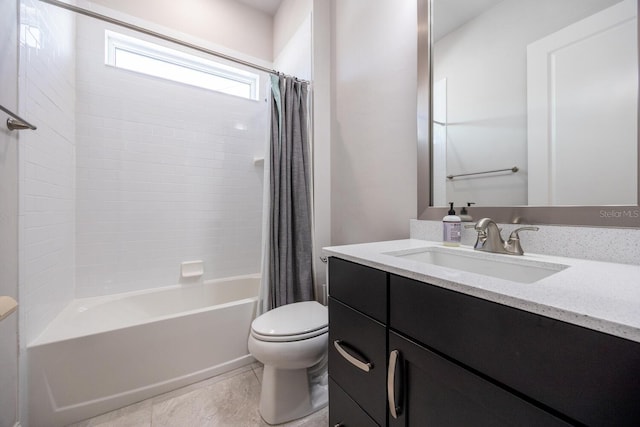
(9, 215)
(165, 174)
(46, 165)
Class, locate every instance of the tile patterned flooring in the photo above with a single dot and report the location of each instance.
(228, 400)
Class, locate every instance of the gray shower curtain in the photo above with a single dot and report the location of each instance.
(290, 246)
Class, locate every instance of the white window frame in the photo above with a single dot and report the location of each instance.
(116, 41)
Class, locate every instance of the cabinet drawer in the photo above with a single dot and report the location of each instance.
(591, 377)
(433, 391)
(361, 339)
(360, 287)
(343, 411)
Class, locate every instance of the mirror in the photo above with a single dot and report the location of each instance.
(532, 107)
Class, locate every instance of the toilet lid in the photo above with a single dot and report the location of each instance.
(290, 322)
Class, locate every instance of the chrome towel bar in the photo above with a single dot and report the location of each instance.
(15, 122)
(513, 169)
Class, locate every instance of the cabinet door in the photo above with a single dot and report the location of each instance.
(357, 358)
(344, 412)
(363, 288)
(589, 376)
(432, 391)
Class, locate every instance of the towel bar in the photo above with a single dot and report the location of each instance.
(513, 169)
(15, 122)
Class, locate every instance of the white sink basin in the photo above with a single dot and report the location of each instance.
(509, 267)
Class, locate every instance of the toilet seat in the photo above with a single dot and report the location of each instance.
(287, 338)
(291, 322)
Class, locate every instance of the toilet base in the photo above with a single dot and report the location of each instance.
(286, 395)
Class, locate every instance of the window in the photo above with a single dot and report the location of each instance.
(147, 58)
(30, 34)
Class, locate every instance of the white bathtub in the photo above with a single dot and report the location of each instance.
(103, 353)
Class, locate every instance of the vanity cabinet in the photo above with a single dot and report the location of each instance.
(582, 375)
(434, 391)
(344, 411)
(444, 358)
(357, 358)
(357, 343)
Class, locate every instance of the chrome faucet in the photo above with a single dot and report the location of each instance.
(490, 240)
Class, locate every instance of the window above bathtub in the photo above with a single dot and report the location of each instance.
(130, 53)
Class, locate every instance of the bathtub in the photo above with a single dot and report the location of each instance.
(102, 353)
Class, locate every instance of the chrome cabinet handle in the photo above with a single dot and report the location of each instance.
(365, 366)
(394, 409)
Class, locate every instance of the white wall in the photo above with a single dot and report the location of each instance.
(287, 20)
(226, 23)
(484, 62)
(8, 214)
(292, 38)
(165, 174)
(295, 56)
(373, 150)
(321, 25)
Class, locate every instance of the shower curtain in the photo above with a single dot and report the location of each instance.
(287, 265)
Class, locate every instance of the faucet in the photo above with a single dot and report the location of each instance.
(490, 240)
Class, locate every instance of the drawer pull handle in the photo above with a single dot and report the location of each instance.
(365, 366)
(393, 377)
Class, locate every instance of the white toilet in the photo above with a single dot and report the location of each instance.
(291, 342)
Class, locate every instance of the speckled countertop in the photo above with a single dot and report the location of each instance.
(602, 296)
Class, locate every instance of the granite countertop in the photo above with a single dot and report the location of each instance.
(602, 296)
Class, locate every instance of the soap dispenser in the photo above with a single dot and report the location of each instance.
(452, 228)
(464, 214)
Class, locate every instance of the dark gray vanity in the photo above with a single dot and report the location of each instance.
(406, 352)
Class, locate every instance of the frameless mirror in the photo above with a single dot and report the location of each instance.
(532, 103)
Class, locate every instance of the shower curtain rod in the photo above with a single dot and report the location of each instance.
(139, 29)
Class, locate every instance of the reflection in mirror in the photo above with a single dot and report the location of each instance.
(534, 102)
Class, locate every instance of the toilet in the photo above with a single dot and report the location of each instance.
(291, 342)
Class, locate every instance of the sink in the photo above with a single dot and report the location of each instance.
(507, 267)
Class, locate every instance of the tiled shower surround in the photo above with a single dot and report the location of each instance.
(127, 175)
(165, 174)
(46, 165)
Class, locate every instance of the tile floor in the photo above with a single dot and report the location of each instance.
(229, 400)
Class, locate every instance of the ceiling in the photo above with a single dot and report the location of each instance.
(267, 6)
(452, 14)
